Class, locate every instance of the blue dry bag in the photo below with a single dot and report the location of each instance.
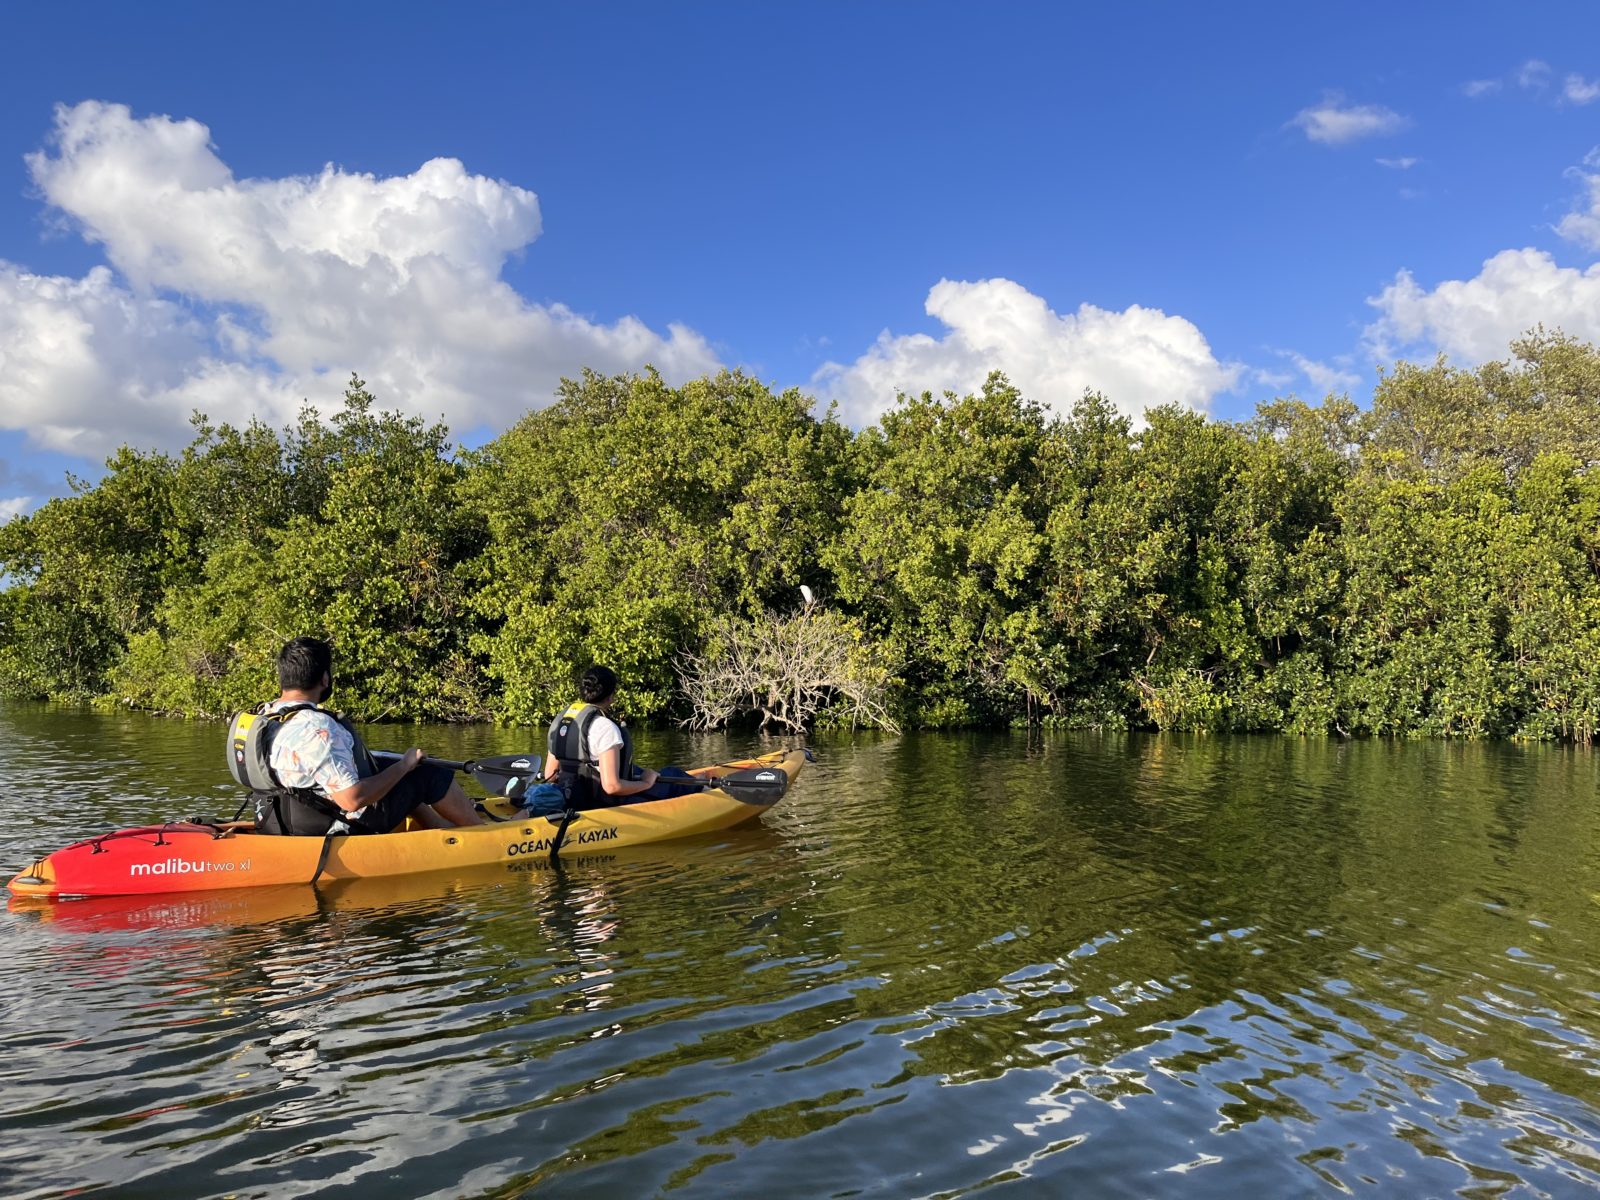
(543, 800)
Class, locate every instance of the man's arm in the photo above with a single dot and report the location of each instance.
(375, 787)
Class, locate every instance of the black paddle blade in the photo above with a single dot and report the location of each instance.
(755, 785)
(508, 775)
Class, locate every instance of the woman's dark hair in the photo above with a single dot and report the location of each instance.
(302, 664)
(597, 684)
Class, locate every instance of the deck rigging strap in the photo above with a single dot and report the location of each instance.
(561, 833)
(322, 859)
(568, 783)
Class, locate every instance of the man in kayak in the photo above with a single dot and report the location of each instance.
(327, 780)
(593, 752)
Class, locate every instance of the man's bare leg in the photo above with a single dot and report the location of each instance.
(456, 808)
(424, 815)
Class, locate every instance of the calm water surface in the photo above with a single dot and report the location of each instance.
(1061, 965)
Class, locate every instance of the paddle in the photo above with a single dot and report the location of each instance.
(508, 775)
(754, 785)
(511, 775)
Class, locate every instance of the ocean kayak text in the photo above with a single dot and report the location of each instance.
(582, 838)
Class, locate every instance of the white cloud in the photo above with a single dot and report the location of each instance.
(1397, 164)
(245, 296)
(13, 506)
(1138, 357)
(1582, 225)
(1476, 319)
(1320, 375)
(1536, 75)
(1334, 123)
(1533, 75)
(1578, 90)
(80, 356)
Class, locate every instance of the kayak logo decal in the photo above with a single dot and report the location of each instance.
(579, 838)
(183, 866)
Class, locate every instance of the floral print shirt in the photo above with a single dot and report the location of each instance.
(314, 751)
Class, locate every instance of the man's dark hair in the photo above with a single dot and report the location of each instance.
(596, 684)
(302, 663)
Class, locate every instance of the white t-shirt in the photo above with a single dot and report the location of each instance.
(604, 734)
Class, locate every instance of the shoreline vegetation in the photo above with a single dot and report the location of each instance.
(1428, 566)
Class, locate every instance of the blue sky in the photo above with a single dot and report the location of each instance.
(848, 198)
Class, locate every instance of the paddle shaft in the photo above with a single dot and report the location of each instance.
(457, 765)
(448, 763)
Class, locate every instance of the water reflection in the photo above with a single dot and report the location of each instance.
(1107, 966)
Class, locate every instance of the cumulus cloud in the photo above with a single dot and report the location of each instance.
(1475, 319)
(1333, 122)
(1138, 357)
(245, 296)
(83, 357)
(13, 506)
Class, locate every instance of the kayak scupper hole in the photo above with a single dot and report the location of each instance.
(450, 841)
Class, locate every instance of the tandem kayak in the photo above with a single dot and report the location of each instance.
(190, 856)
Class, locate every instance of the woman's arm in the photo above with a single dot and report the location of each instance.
(612, 784)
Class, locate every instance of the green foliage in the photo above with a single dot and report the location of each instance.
(87, 573)
(940, 546)
(1427, 566)
(628, 517)
(349, 529)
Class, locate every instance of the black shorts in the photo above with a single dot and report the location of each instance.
(286, 813)
(427, 783)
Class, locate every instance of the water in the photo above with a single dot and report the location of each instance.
(1060, 965)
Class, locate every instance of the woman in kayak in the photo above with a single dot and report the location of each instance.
(591, 752)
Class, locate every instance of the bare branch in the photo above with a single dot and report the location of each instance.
(791, 671)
